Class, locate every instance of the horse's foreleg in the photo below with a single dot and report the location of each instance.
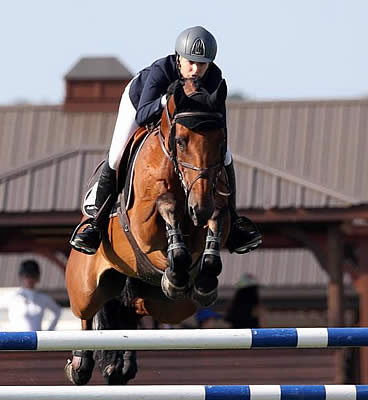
(79, 369)
(117, 366)
(175, 280)
(206, 282)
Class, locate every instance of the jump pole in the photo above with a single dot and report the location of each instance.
(183, 339)
(187, 392)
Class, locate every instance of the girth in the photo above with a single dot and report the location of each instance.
(145, 269)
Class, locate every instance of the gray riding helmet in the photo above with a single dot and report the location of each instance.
(196, 44)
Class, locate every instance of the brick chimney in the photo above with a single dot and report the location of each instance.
(95, 84)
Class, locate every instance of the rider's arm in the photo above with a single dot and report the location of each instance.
(150, 102)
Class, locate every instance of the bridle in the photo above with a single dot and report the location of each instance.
(171, 153)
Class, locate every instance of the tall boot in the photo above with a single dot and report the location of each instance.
(89, 240)
(244, 235)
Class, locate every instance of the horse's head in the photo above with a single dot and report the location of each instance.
(194, 136)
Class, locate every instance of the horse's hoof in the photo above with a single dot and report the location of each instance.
(112, 375)
(68, 370)
(172, 291)
(115, 375)
(205, 299)
(130, 368)
(78, 378)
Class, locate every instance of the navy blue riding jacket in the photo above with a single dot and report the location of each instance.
(152, 83)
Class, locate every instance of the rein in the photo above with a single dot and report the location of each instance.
(172, 155)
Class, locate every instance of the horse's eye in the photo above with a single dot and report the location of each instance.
(181, 143)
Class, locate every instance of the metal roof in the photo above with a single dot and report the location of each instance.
(56, 183)
(287, 154)
(92, 68)
(59, 181)
(282, 147)
(31, 133)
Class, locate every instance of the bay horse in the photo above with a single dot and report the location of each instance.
(160, 256)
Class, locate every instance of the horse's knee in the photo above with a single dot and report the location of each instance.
(166, 206)
(166, 201)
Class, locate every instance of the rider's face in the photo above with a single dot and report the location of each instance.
(191, 69)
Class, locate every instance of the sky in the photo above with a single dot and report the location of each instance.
(267, 49)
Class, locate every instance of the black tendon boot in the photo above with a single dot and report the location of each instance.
(89, 240)
(244, 235)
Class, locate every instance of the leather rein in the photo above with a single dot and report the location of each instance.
(172, 153)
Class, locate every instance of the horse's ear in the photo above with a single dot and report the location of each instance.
(218, 97)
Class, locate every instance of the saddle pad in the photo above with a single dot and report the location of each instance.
(90, 196)
(89, 203)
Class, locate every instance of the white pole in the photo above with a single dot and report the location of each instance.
(186, 392)
(181, 339)
(190, 392)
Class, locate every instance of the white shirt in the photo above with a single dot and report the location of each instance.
(26, 308)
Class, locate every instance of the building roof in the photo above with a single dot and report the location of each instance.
(318, 145)
(287, 154)
(300, 154)
(100, 68)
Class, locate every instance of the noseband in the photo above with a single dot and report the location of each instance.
(172, 153)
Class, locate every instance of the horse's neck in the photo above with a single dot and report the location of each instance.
(152, 167)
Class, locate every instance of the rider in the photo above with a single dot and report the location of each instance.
(141, 103)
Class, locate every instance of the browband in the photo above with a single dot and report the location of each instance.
(195, 114)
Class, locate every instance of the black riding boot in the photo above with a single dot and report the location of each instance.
(244, 235)
(89, 240)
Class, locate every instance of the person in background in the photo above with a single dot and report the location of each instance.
(243, 311)
(27, 305)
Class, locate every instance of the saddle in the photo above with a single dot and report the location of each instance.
(124, 177)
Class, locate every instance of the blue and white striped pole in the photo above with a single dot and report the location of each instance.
(187, 392)
(183, 339)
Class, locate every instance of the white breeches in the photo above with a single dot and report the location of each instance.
(125, 126)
